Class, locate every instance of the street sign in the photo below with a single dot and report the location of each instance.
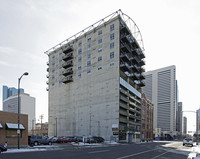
(18, 131)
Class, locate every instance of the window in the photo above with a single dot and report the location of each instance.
(80, 43)
(89, 55)
(89, 46)
(112, 45)
(60, 53)
(53, 84)
(53, 57)
(112, 36)
(112, 27)
(89, 39)
(99, 67)
(100, 50)
(79, 51)
(88, 71)
(79, 59)
(100, 58)
(53, 77)
(99, 41)
(111, 64)
(112, 55)
(53, 70)
(60, 81)
(89, 63)
(99, 32)
(79, 67)
(60, 60)
(79, 75)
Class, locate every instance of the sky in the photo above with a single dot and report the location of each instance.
(170, 31)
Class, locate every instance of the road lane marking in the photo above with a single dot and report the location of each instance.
(99, 151)
(160, 155)
(136, 154)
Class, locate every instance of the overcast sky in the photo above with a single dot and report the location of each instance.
(170, 31)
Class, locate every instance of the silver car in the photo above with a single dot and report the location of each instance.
(187, 142)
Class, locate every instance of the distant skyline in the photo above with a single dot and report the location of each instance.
(170, 31)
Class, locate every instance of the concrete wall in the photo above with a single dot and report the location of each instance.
(89, 105)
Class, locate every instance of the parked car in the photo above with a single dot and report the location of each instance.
(187, 142)
(37, 140)
(95, 139)
(64, 140)
(53, 139)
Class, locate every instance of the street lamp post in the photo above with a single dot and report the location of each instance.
(18, 130)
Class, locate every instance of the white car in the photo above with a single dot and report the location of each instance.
(187, 142)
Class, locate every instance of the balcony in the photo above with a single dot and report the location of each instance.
(126, 38)
(124, 92)
(47, 82)
(67, 72)
(124, 99)
(67, 57)
(123, 112)
(68, 49)
(136, 68)
(124, 66)
(124, 29)
(124, 57)
(142, 76)
(47, 75)
(67, 79)
(123, 120)
(123, 105)
(142, 69)
(136, 59)
(47, 89)
(142, 62)
(135, 76)
(67, 64)
(141, 83)
(47, 63)
(47, 69)
(125, 47)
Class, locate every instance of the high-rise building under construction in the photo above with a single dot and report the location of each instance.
(95, 79)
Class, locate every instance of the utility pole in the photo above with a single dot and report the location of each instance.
(41, 117)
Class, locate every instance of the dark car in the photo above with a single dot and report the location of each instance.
(95, 139)
(38, 140)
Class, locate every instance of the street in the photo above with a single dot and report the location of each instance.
(152, 150)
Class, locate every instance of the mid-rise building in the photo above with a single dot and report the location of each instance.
(146, 119)
(198, 121)
(180, 118)
(27, 104)
(185, 125)
(9, 91)
(95, 79)
(161, 90)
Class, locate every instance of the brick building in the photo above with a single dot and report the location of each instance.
(146, 119)
(9, 126)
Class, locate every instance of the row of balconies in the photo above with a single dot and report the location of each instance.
(126, 120)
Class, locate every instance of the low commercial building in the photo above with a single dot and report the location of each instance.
(146, 119)
(9, 126)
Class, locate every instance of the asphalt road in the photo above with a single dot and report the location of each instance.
(123, 151)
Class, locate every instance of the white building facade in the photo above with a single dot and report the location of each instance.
(161, 90)
(95, 82)
(27, 104)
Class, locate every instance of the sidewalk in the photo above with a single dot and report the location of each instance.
(58, 147)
